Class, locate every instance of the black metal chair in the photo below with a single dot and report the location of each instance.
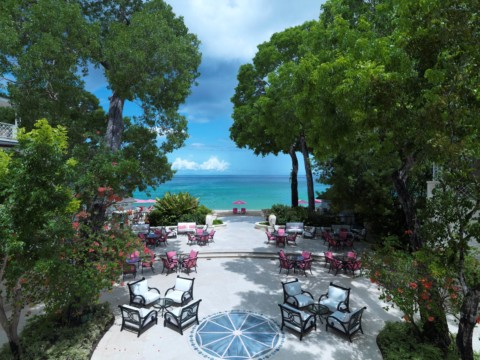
(183, 316)
(346, 323)
(141, 294)
(297, 320)
(337, 298)
(295, 296)
(137, 319)
(182, 292)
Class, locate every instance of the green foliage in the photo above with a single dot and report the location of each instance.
(174, 208)
(400, 341)
(217, 222)
(286, 214)
(7, 115)
(45, 337)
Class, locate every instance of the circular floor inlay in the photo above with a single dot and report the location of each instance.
(237, 335)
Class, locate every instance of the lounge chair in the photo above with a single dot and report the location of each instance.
(347, 323)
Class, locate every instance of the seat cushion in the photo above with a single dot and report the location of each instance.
(176, 296)
(303, 300)
(331, 304)
(293, 289)
(151, 297)
(183, 284)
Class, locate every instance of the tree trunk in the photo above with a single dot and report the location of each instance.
(468, 318)
(294, 176)
(113, 136)
(10, 326)
(436, 332)
(308, 173)
(399, 179)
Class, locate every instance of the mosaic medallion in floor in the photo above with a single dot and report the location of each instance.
(237, 335)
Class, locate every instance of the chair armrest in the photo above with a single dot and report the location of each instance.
(342, 306)
(153, 288)
(170, 314)
(295, 301)
(153, 313)
(323, 296)
(138, 299)
(172, 288)
(307, 292)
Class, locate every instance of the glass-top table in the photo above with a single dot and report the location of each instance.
(319, 311)
(162, 304)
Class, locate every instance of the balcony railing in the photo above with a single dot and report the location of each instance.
(8, 134)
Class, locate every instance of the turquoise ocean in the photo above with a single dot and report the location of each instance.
(218, 192)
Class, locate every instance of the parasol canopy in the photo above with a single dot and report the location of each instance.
(239, 202)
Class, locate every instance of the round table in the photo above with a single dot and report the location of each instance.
(319, 311)
(162, 304)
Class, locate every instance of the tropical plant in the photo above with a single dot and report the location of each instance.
(173, 208)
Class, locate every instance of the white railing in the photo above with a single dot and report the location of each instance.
(8, 131)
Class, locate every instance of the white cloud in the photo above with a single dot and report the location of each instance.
(232, 29)
(213, 163)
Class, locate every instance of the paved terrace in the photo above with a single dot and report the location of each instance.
(239, 271)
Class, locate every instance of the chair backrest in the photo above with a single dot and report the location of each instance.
(352, 255)
(199, 231)
(171, 255)
(285, 264)
(306, 254)
(138, 287)
(189, 311)
(282, 255)
(328, 255)
(281, 231)
(292, 288)
(130, 314)
(338, 293)
(235, 210)
(184, 284)
(355, 319)
(193, 254)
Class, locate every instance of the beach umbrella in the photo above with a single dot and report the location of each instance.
(318, 201)
(144, 201)
(302, 202)
(239, 202)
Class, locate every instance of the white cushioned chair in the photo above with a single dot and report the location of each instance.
(182, 292)
(297, 320)
(137, 319)
(336, 299)
(141, 294)
(347, 323)
(295, 296)
(182, 316)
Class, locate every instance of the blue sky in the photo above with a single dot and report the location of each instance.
(229, 31)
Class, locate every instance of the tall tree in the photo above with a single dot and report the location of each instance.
(147, 56)
(37, 205)
(395, 87)
(264, 114)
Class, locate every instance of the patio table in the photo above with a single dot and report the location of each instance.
(319, 311)
(162, 304)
